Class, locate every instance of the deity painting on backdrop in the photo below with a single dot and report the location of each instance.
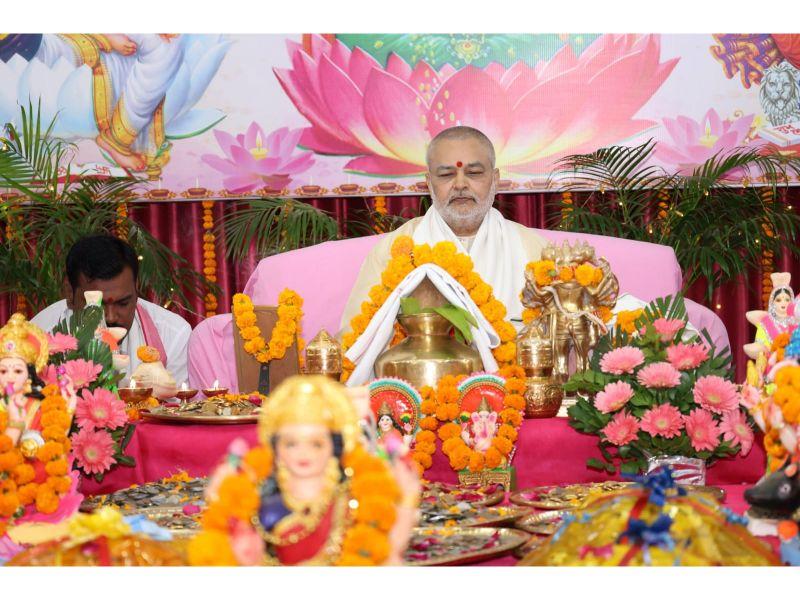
(780, 317)
(395, 407)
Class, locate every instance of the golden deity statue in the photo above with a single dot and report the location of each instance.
(571, 289)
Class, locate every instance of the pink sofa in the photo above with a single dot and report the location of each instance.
(324, 274)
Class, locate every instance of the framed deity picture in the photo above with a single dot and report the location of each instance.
(251, 374)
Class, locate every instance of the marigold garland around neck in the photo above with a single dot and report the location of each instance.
(405, 257)
(18, 488)
(290, 312)
(446, 398)
(365, 540)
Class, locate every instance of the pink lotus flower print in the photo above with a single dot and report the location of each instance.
(694, 142)
(254, 160)
(387, 115)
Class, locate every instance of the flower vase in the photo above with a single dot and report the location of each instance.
(685, 470)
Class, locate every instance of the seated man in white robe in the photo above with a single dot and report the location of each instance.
(110, 265)
(462, 180)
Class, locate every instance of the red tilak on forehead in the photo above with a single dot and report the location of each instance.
(459, 164)
(109, 300)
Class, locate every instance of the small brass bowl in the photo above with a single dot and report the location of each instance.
(215, 392)
(184, 395)
(132, 396)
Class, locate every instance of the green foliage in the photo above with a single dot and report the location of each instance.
(54, 215)
(274, 225)
(718, 230)
(461, 319)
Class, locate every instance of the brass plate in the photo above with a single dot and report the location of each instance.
(161, 515)
(555, 497)
(480, 516)
(447, 494)
(508, 540)
(542, 523)
(199, 419)
(560, 497)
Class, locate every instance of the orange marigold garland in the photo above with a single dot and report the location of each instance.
(373, 510)
(462, 456)
(405, 257)
(121, 225)
(17, 486)
(287, 328)
(380, 209)
(209, 256)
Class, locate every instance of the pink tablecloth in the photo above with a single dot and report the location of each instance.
(549, 452)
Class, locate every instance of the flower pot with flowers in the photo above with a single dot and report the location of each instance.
(657, 392)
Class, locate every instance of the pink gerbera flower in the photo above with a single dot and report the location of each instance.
(60, 342)
(621, 360)
(100, 409)
(685, 357)
(667, 328)
(735, 429)
(702, 429)
(94, 450)
(82, 372)
(664, 420)
(623, 428)
(659, 375)
(613, 397)
(716, 394)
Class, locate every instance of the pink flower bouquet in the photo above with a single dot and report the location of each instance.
(659, 390)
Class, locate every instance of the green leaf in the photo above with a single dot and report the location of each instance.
(460, 318)
(410, 305)
(594, 463)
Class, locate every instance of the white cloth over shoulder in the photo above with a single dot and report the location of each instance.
(497, 253)
(366, 349)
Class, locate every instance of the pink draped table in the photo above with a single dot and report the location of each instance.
(549, 452)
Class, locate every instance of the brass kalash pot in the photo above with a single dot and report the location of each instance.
(543, 392)
(429, 352)
(324, 356)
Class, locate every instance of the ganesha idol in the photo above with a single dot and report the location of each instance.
(310, 493)
(35, 483)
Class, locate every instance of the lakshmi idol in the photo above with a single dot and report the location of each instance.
(310, 493)
(780, 316)
(23, 354)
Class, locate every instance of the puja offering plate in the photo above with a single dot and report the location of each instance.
(560, 497)
(463, 514)
(218, 410)
(553, 497)
(172, 518)
(542, 523)
(441, 546)
(532, 544)
(170, 492)
(448, 494)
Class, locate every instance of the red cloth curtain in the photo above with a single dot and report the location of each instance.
(179, 225)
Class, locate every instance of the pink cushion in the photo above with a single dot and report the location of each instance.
(324, 275)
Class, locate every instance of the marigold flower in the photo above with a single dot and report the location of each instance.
(514, 401)
(429, 423)
(503, 445)
(260, 460)
(27, 493)
(402, 245)
(377, 511)
(449, 430)
(23, 474)
(46, 500)
(364, 541)
(9, 460)
(476, 462)
(423, 459)
(480, 293)
(423, 254)
(508, 432)
(585, 274)
(239, 495)
(626, 320)
(493, 458)
(211, 549)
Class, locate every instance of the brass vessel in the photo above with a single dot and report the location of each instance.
(323, 356)
(543, 392)
(428, 353)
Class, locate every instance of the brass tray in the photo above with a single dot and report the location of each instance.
(480, 516)
(472, 539)
(199, 419)
(449, 494)
(171, 518)
(561, 497)
(542, 523)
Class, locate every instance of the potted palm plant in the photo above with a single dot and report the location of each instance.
(53, 207)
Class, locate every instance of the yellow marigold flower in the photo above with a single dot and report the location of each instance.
(378, 294)
(598, 275)
(402, 245)
(566, 274)
(626, 320)
(505, 330)
(604, 314)
(247, 319)
(531, 314)
(422, 254)
(506, 352)
(493, 310)
(248, 333)
(461, 265)
(211, 549)
(348, 339)
(480, 293)
(470, 280)
(585, 274)
(543, 272)
(443, 252)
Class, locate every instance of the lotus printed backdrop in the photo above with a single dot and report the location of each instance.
(236, 115)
